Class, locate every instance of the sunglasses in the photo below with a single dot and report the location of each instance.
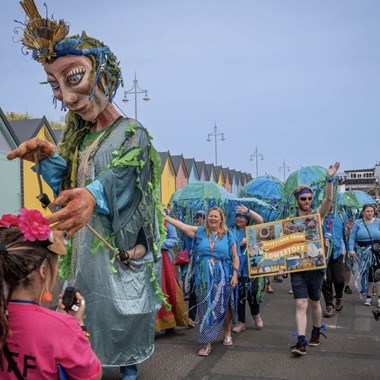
(303, 199)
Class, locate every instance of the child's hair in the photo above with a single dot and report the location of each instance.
(18, 260)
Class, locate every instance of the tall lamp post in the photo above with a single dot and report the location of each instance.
(216, 134)
(283, 168)
(135, 90)
(257, 155)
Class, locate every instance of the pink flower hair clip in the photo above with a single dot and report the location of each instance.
(34, 226)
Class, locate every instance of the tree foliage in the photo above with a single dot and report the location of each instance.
(25, 116)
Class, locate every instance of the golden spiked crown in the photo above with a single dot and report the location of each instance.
(41, 34)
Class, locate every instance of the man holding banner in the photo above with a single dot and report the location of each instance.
(307, 285)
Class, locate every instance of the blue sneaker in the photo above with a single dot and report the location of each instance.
(130, 372)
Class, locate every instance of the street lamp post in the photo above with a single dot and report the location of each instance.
(135, 90)
(283, 168)
(257, 155)
(216, 134)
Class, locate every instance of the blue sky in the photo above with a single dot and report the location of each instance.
(298, 79)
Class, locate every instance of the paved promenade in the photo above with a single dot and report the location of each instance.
(351, 350)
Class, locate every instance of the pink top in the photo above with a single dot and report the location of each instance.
(41, 339)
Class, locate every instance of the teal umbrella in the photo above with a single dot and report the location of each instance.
(200, 196)
(202, 190)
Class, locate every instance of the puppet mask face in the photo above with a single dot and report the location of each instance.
(70, 79)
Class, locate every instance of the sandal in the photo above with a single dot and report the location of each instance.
(205, 350)
(228, 341)
(269, 289)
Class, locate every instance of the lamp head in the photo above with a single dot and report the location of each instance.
(125, 99)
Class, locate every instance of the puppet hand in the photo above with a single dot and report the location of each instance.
(78, 207)
(28, 149)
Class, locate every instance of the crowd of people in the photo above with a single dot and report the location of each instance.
(121, 257)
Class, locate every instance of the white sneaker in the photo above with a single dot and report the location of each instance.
(239, 327)
(378, 302)
(368, 301)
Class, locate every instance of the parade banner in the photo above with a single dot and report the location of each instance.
(292, 245)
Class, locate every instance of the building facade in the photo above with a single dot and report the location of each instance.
(362, 179)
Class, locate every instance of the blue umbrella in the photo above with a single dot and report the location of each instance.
(267, 187)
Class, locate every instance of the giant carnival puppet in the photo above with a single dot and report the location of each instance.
(105, 177)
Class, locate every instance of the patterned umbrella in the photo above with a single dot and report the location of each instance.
(313, 176)
(309, 175)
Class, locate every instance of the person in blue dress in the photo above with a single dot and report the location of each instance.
(248, 288)
(363, 245)
(216, 267)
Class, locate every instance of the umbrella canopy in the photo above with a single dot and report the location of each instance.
(200, 196)
(355, 198)
(201, 190)
(309, 175)
(266, 187)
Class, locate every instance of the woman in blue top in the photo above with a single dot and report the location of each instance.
(364, 236)
(248, 288)
(216, 270)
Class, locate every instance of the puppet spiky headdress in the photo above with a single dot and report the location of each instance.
(41, 34)
(47, 38)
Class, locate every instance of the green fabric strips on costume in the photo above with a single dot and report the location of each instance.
(129, 159)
